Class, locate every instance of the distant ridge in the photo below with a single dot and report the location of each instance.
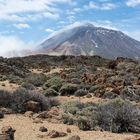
(89, 40)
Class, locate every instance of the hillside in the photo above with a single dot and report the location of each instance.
(89, 40)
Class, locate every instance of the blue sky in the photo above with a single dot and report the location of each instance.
(25, 23)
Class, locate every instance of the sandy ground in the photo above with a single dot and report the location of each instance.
(27, 130)
(84, 99)
(5, 85)
(56, 70)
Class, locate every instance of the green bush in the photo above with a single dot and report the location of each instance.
(28, 86)
(76, 81)
(83, 123)
(54, 82)
(94, 88)
(2, 77)
(130, 94)
(116, 116)
(81, 92)
(68, 89)
(72, 107)
(110, 95)
(50, 92)
(14, 79)
(68, 118)
(36, 79)
(16, 100)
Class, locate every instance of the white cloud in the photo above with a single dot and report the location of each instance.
(49, 30)
(105, 24)
(22, 26)
(132, 3)
(10, 44)
(23, 10)
(77, 10)
(54, 16)
(101, 6)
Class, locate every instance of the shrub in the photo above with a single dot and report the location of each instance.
(94, 88)
(118, 116)
(5, 98)
(54, 82)
(72, 107)
(130, 94)
(110, 95)
(83, 123)
(14, 79)
(76, 81)
(137, 91)
(16, 100)
(55, 87)
(93, 68)
(50, 92)
(2, 77)
(68, 89)
(28, 86)
(67, 118)
(36, 79)
(81, 92)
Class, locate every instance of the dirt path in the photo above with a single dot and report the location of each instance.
(27, 130)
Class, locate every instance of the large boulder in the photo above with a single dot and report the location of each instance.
(7, 133)
(33, 106)
(43, 129)
(55, 134)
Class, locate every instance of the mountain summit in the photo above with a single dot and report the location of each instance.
(89, 40)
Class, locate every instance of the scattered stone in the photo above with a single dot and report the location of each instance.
(68, 130)
(51, 116)
(1, 115)
(55, 134)
(28, 114)
(89, 96)
(37, 120)
(76, 137)
(7, 133)
(6, 110)
(33, 106)
(42, 115)
(43, 129)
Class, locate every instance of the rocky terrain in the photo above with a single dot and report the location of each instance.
(69, 98)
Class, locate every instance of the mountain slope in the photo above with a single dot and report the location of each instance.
(90, 40)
